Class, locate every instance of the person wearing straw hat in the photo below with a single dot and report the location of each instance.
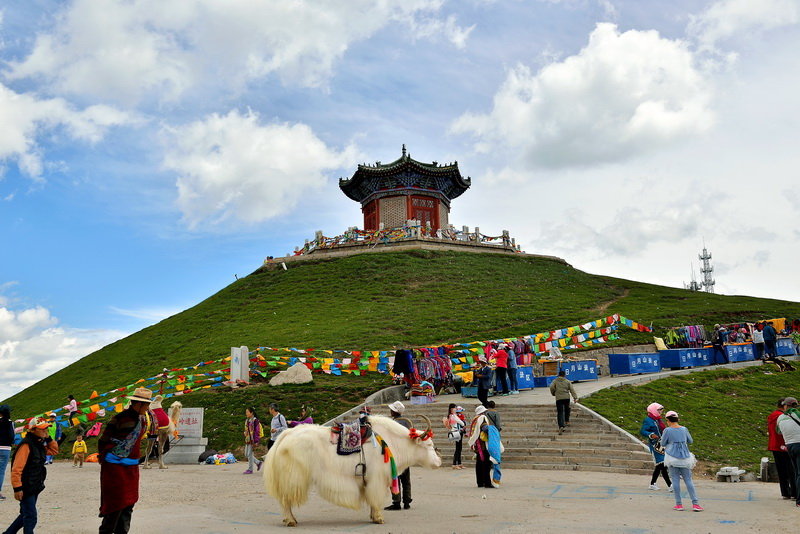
(119, 449)
(28, 472)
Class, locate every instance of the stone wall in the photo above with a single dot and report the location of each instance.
(392, 211)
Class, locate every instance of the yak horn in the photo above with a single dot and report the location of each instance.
(428, 421)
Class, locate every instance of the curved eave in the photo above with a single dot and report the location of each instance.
(350, 186)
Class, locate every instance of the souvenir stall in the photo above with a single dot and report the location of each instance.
(692, 336)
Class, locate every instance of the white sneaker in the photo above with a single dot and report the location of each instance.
(670, 489)
(654, 487)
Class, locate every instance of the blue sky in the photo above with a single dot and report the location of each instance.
(151, 150)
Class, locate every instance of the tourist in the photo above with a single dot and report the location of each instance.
(252, 437)
(652, 427)
(789, 427)
(512, 371)
(718, 343)
(777, 446)
(795, 335)
(676, 440)
(277, 426)
(483, 376)
(6, 441)
(758, 340)
(494, 417)
(561, 388)
(72, 408)
(305, 418)
(28, 473)
(119, 451)
(770, 341)
(79, 450)
(455, 433)
(396, 410)
(478, 442)
(501, 370)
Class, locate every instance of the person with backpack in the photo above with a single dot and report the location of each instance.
(789, 427)
(277, 425)
(253, 432)
(28, 473)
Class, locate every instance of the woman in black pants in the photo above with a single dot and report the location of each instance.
(455, 427)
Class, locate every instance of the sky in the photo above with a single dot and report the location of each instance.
(152, 150)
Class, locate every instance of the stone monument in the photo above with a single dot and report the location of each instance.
(187, 449)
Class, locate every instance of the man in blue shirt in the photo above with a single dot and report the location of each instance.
(770, 340)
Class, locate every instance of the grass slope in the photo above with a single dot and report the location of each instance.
(725, 410)
(380, 301)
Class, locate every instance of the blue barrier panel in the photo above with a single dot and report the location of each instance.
(740, 352)
(543, 381)
(676, 358)
(525, 377)
(701, 357)
(635, 363)
(785, 347)
(472, 391)
(580, 370)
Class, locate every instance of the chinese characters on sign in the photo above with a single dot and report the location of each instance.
(190, 423)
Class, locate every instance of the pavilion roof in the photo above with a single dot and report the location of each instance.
(405, 173)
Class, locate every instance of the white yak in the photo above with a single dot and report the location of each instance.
(303, 457)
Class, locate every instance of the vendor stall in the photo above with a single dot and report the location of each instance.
(680, 358)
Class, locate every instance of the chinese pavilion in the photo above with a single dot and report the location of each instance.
(405, 189)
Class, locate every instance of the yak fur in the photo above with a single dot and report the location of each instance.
(304, 457)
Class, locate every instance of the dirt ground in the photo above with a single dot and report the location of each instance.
(219, 499)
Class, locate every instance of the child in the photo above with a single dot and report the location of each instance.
(28, 472)
(78, 451)
(252, 437)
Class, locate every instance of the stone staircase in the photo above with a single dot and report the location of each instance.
(531, 439)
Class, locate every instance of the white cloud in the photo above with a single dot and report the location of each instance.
(233, 168)
(624, 94)
(431, 27)
(24, 118)
(125, 51)
(728, 18)
(151, 315)
(33, 346)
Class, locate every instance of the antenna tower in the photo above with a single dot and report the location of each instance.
(694, 285)
(707, 270)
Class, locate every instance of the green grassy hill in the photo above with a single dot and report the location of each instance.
(381, 301)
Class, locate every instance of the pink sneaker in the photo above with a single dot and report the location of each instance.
(678, 508)
(248, 472)
(697, 508)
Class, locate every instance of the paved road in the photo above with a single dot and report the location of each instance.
(219, 499)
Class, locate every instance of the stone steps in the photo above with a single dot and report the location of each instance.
(532, 441)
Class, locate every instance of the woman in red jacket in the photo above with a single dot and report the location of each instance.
(783, 461)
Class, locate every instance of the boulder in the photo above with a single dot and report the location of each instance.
(296, 374)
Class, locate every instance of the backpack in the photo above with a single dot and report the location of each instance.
(260, 431)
